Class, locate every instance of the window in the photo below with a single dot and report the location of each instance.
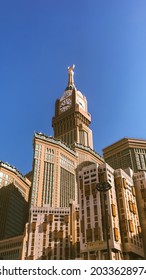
(113, 210)
(124, 183)
(131, 226)
(116, 234)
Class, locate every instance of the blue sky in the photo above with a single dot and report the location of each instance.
(105, 39)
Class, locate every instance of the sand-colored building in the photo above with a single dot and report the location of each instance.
(70, 217)
(127, 152)
(98, 214)
(57, 159)
(140, 188)
(54, 233)
(110, 224)
(130, 227)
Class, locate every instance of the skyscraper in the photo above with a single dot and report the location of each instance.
(57, 159)
(72, 119)
(70, 217)
(110, 224)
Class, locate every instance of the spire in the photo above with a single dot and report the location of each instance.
(71, 76)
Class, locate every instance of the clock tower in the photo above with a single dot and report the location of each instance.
(71, 121)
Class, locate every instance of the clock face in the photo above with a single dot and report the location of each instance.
(65, 95)
(65, 104)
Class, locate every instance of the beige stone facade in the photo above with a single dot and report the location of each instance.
(57, 159)
(69, 217)
(128, 216)
(54, 233)
(127, 152)
(56, 163)
(54, 167)
(111, 213)
(140, 188)
(72, 119)
(94, 208)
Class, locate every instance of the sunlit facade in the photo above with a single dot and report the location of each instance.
(127, 152)
(98, 214)
(57, 159)
(128, 215)
(140, 188)
(70, 217)
(109, 219)
(54, 233)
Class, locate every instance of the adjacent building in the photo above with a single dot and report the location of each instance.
(110, 225)
(54, 233)
(13, 212)
(131, 153)
(98, 214)
(130, 227)
(14, 200)
(11, 248)
(9, 175)
(140, 188)
(127, 152)
(14, 209)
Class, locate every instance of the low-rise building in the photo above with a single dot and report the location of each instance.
(11, 248)
(54, 233)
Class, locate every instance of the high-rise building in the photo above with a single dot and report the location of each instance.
(56, 163)
(127, 152)
(54, 167)
(100, 233)
(110, 225)
(72, 119)
(131, 152)
(57, 159)
(80, 206)
(130, 227)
